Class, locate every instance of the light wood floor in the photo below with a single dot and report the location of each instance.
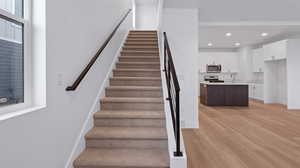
(261, 136)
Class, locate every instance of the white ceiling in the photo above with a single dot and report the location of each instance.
(241, 10)
(246, 35)
(146, 2)
(245, 19)
(181, 3)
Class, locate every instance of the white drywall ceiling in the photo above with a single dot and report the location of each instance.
(241, 10)
(146, 2)
(245, 35)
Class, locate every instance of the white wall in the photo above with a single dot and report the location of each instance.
(160, 13)
(181, 26)
(293, 69)
(146, 14)
(74, 31)
(228, 60)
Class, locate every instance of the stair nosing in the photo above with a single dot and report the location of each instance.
(136, 78)
(142, 38)
(142, 35)
(135, 135)
(138, 43)
(136, 70)
(140, 52)
(130, 39)
(131, 100)
(121, 114)
(152, 57)
(148, 47)
(135, 87)
(138, 63)
(90, 137)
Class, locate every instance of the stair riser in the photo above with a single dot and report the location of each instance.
(141, 41)
(140, 44)
(134, 36)
(107, 122)
(136, 59)
(152, 37)
(136, 74)
(142, 33)
(133, 93)
(140, 49)
(123, 143)
(131, 106)
(120, 82)
(138, 66)
(129, 53)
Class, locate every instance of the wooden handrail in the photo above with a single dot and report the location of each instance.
(95, 57)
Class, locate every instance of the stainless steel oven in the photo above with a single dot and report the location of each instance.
(213, 68)
(213, 79)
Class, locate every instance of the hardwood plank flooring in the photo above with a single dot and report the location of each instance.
(258, 136)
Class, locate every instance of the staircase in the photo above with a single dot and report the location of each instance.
(129, 131)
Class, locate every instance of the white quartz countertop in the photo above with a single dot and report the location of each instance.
(225, 83)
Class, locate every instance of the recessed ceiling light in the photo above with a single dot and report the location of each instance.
(264, 34)
(228, 34)
(210, 44)
(237, 44)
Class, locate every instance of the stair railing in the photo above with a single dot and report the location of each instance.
(173, 93)
(96, 56)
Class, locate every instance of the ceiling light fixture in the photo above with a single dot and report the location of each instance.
(237, 44)
(228, 34)
(264, 34)
(210, 44)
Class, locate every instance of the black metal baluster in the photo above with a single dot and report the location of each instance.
(170, 74)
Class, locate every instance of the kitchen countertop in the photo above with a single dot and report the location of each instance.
(257, 83)
(225, 83)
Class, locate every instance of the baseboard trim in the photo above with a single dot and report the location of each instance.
(258, 100)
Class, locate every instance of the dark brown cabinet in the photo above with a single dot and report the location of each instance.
(224, 95)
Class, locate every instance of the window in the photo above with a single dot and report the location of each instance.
(12, 53)
(14, 7)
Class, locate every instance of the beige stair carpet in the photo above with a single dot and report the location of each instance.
(129, 131)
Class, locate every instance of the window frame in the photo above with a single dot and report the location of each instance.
(27, 58)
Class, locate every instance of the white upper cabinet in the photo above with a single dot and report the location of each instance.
(258, 60)
(275, 51)
(282, 49)
(229, 63)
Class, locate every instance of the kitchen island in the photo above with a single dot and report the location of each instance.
(224, 94)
